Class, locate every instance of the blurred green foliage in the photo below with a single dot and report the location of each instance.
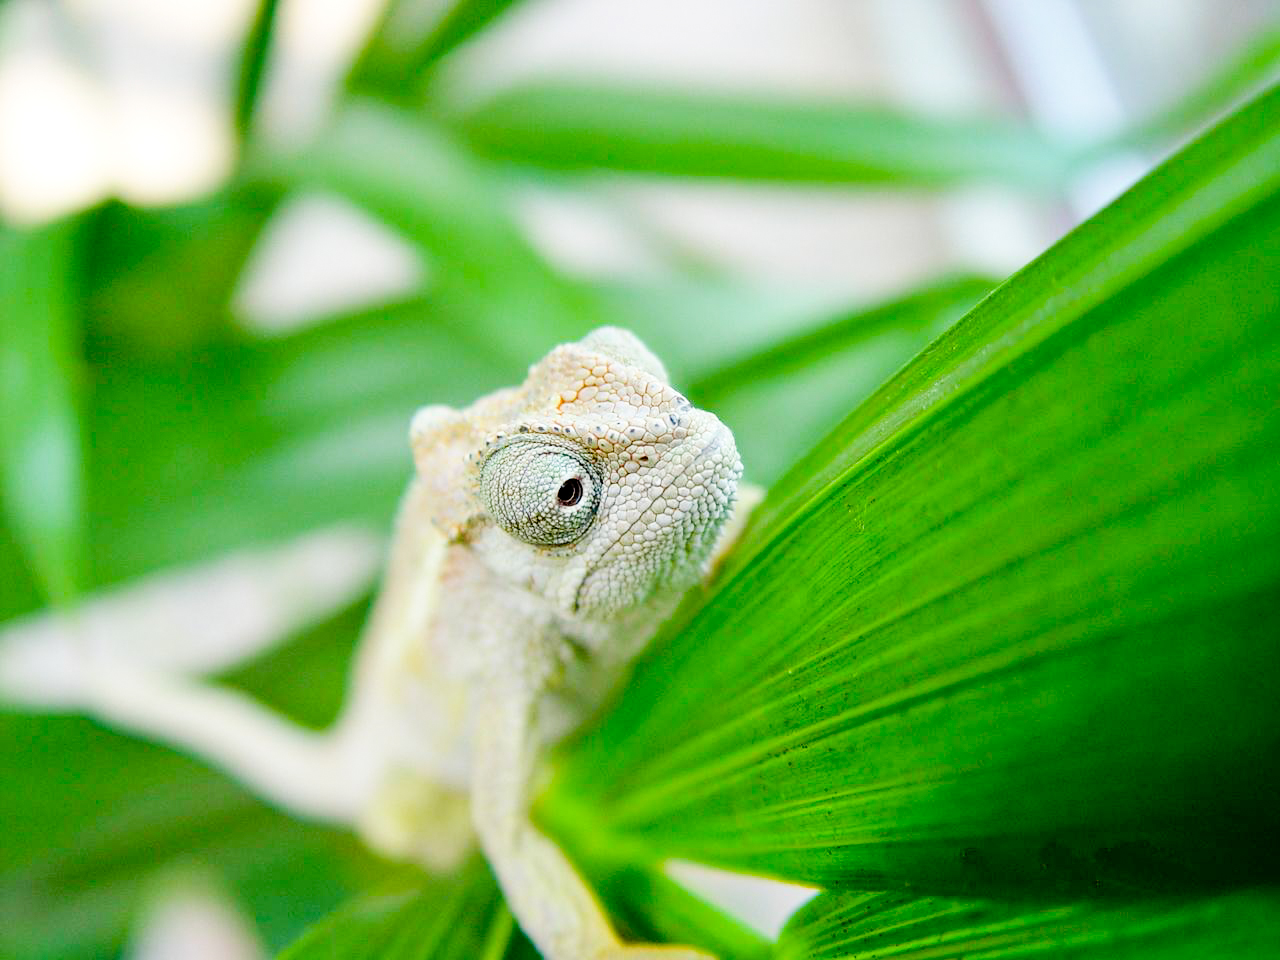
(40, 462)
(685, 134)
(1006, 629)
(416, 918)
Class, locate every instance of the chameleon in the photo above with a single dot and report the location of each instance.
(547, 532)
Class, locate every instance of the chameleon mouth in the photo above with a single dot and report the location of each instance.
(719, 438)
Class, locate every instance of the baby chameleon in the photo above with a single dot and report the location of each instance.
(549, 530)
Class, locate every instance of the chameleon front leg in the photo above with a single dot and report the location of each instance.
(316, 775)
(553, 905)
(337, 776)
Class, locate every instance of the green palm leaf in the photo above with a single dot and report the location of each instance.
(851, 926)
(1010, 628)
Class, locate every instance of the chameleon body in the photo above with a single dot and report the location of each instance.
(549, 530)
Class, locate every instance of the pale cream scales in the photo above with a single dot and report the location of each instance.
(550, 529)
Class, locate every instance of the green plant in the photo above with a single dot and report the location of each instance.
(999, 648)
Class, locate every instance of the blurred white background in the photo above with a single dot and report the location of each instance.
(132, 98)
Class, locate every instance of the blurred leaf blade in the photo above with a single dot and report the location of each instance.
(1007, 629)
(410, 175)
(220, 435)
(40, 429)
(161, 281)
(918, 309)
(73, 876)
(396, 62)
(463, 20)
(564, 126)
(425, 918)
(851, 926)
(253, 64)
(74, 873)
(422, 918)
(782, 394)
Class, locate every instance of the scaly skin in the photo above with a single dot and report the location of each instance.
(546, 602)
(550, 529)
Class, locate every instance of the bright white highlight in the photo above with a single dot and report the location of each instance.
(763, 904)
(53, 156)
(190, 622)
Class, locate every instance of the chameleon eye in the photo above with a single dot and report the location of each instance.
(542, 493)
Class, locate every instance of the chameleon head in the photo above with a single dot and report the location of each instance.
(595, 484)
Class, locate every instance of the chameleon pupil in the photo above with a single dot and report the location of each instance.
(570, 492)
